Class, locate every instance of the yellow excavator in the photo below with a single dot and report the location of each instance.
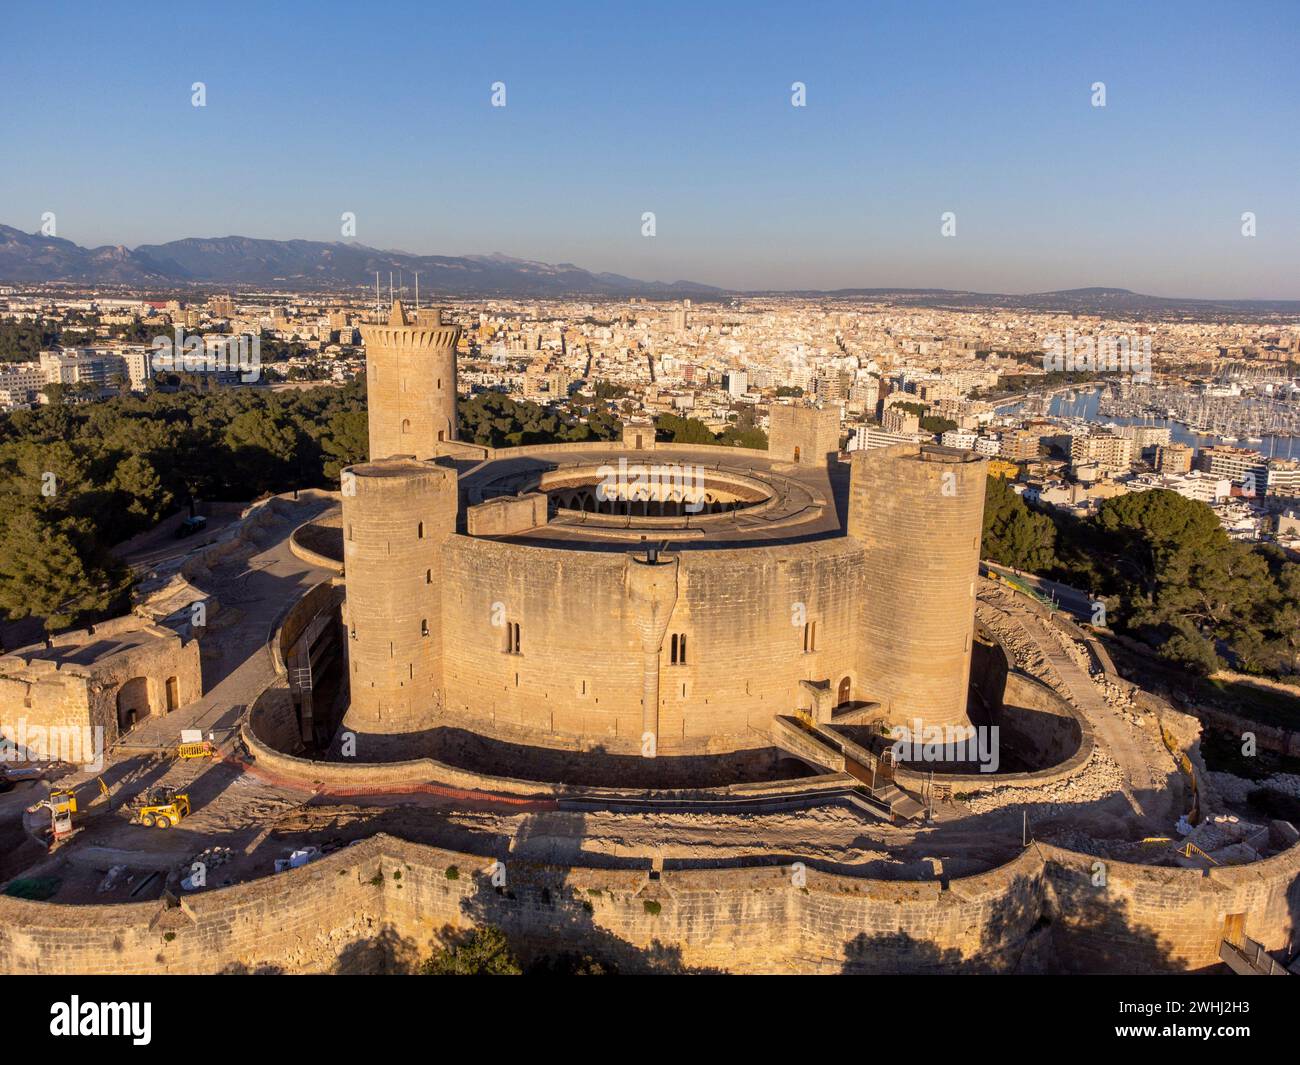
(62, 804)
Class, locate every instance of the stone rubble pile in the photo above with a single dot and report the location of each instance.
(1229, 787)
(213, 857)
(1227, 839)
(1097, 779)
(1025, 653)
(1234, 789)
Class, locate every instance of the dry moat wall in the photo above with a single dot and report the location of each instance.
(382, 905)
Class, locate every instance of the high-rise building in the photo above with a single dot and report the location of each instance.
(1240, 465)
(1174, 458)
(1106, 451)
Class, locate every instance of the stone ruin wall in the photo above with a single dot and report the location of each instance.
(46, 694)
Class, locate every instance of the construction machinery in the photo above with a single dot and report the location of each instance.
(163, 807)
(62, 804)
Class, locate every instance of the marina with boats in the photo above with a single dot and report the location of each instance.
(1264, 416)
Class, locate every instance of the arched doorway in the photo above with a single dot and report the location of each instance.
(132, 703)
(845, 693)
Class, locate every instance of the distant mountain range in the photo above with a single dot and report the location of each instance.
(28, 257)
(1112, 301)
(310, 264)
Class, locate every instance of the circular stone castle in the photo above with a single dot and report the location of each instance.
(639, 598)
(675, 691)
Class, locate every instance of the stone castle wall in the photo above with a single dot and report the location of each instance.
(579, 672)
(507, 515)
(89, 678)
(383, 904)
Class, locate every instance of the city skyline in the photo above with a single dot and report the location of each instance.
(908, 115)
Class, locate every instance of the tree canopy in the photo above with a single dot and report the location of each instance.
(484, 952)
(1167, 571)
(75, 480)
(744, 433)
(1013, 534)
(493, 419)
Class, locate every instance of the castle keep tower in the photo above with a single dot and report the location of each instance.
(397, 516)
(410, 383)
(919, 513)
(806, 436)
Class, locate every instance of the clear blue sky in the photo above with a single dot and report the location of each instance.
(913, 109)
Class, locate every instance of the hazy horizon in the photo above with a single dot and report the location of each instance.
(911, 112)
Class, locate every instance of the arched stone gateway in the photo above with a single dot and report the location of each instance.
(133, 703)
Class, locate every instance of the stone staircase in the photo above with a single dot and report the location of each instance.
(812, 742)
(901, 805)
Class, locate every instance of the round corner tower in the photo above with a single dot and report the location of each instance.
(919, 514)
(397, 515)
(410, 383)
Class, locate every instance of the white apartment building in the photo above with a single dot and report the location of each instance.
(869, 437)
(1283, 479)
(1204, 487)
(959, 438)
(22, 377)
